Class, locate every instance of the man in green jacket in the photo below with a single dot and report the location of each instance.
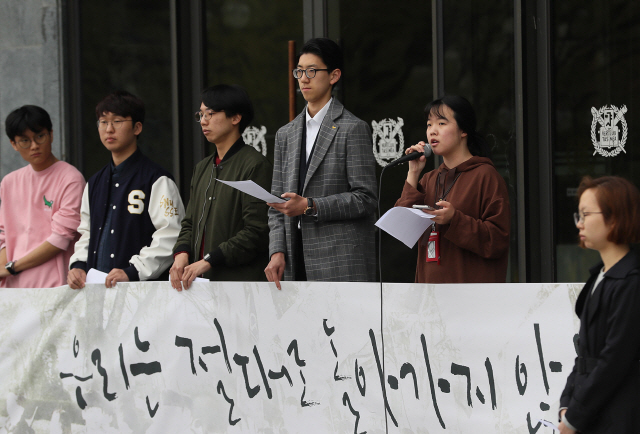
(224, 234)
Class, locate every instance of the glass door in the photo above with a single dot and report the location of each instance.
(479, 64)
(389, 78)
(597, 56)
(246, 43)
(387, 82)
(132, 51)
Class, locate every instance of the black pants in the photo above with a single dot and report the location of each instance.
(301, 271)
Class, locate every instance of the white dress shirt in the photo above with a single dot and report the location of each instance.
(313, 125)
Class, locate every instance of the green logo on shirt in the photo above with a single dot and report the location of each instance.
(46, 202)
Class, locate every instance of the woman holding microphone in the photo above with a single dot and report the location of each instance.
(469, 241)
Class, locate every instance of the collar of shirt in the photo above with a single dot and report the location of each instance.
(598, 280)
(313, 125)
(116, 171)
(125, 167)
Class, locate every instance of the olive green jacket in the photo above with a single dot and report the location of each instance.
(234, 223)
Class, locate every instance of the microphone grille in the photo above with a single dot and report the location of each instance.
(427, 150)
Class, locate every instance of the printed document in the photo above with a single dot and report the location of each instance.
(405, 224)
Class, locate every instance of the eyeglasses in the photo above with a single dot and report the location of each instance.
(102, 125)
(38, 138)
(310, 72)
(204, 115)
(578, 217)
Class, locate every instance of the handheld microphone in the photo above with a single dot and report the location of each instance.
(412, 156)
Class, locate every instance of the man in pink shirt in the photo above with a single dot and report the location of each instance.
(39, 206)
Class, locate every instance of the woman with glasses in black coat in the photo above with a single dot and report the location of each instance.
(602, 394)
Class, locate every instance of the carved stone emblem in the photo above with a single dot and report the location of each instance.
(255, 137)
(611, 136)
(388, 140)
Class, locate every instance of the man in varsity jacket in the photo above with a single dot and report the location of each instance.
(131, 209)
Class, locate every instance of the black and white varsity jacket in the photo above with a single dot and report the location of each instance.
(147, 211)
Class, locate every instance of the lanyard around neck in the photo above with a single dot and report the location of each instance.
(448, 189)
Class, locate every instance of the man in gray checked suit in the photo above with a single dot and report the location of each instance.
(324, 165)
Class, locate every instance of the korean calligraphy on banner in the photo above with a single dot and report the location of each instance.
(245, 358)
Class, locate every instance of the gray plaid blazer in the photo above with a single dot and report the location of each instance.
(339, 243)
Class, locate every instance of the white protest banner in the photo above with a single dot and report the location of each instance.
(487, 358)
(246, 358)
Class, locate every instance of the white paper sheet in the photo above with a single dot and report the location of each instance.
(95, 276)
(405, 224)
(548, 424)
(253, 189)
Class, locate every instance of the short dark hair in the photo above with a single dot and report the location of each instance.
(619, 202)
(465, 117)
(122, 103)
(231, 99)
(27, 117)
(326, 49)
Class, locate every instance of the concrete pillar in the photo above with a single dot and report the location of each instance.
(31, 68)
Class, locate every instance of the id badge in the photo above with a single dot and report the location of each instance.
(433, 247)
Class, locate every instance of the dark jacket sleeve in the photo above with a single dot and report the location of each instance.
(277, 239)
(185, 243)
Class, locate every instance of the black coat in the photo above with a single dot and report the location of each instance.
(603, 390)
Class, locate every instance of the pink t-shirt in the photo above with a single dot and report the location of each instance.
(38, 207)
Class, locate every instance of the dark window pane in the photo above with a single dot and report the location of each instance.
(479, 65)
(126, 45)
(596, 53)
(388, 75)
(246, 44)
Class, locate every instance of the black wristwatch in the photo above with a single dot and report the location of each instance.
(310, 210)
(11, 268)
